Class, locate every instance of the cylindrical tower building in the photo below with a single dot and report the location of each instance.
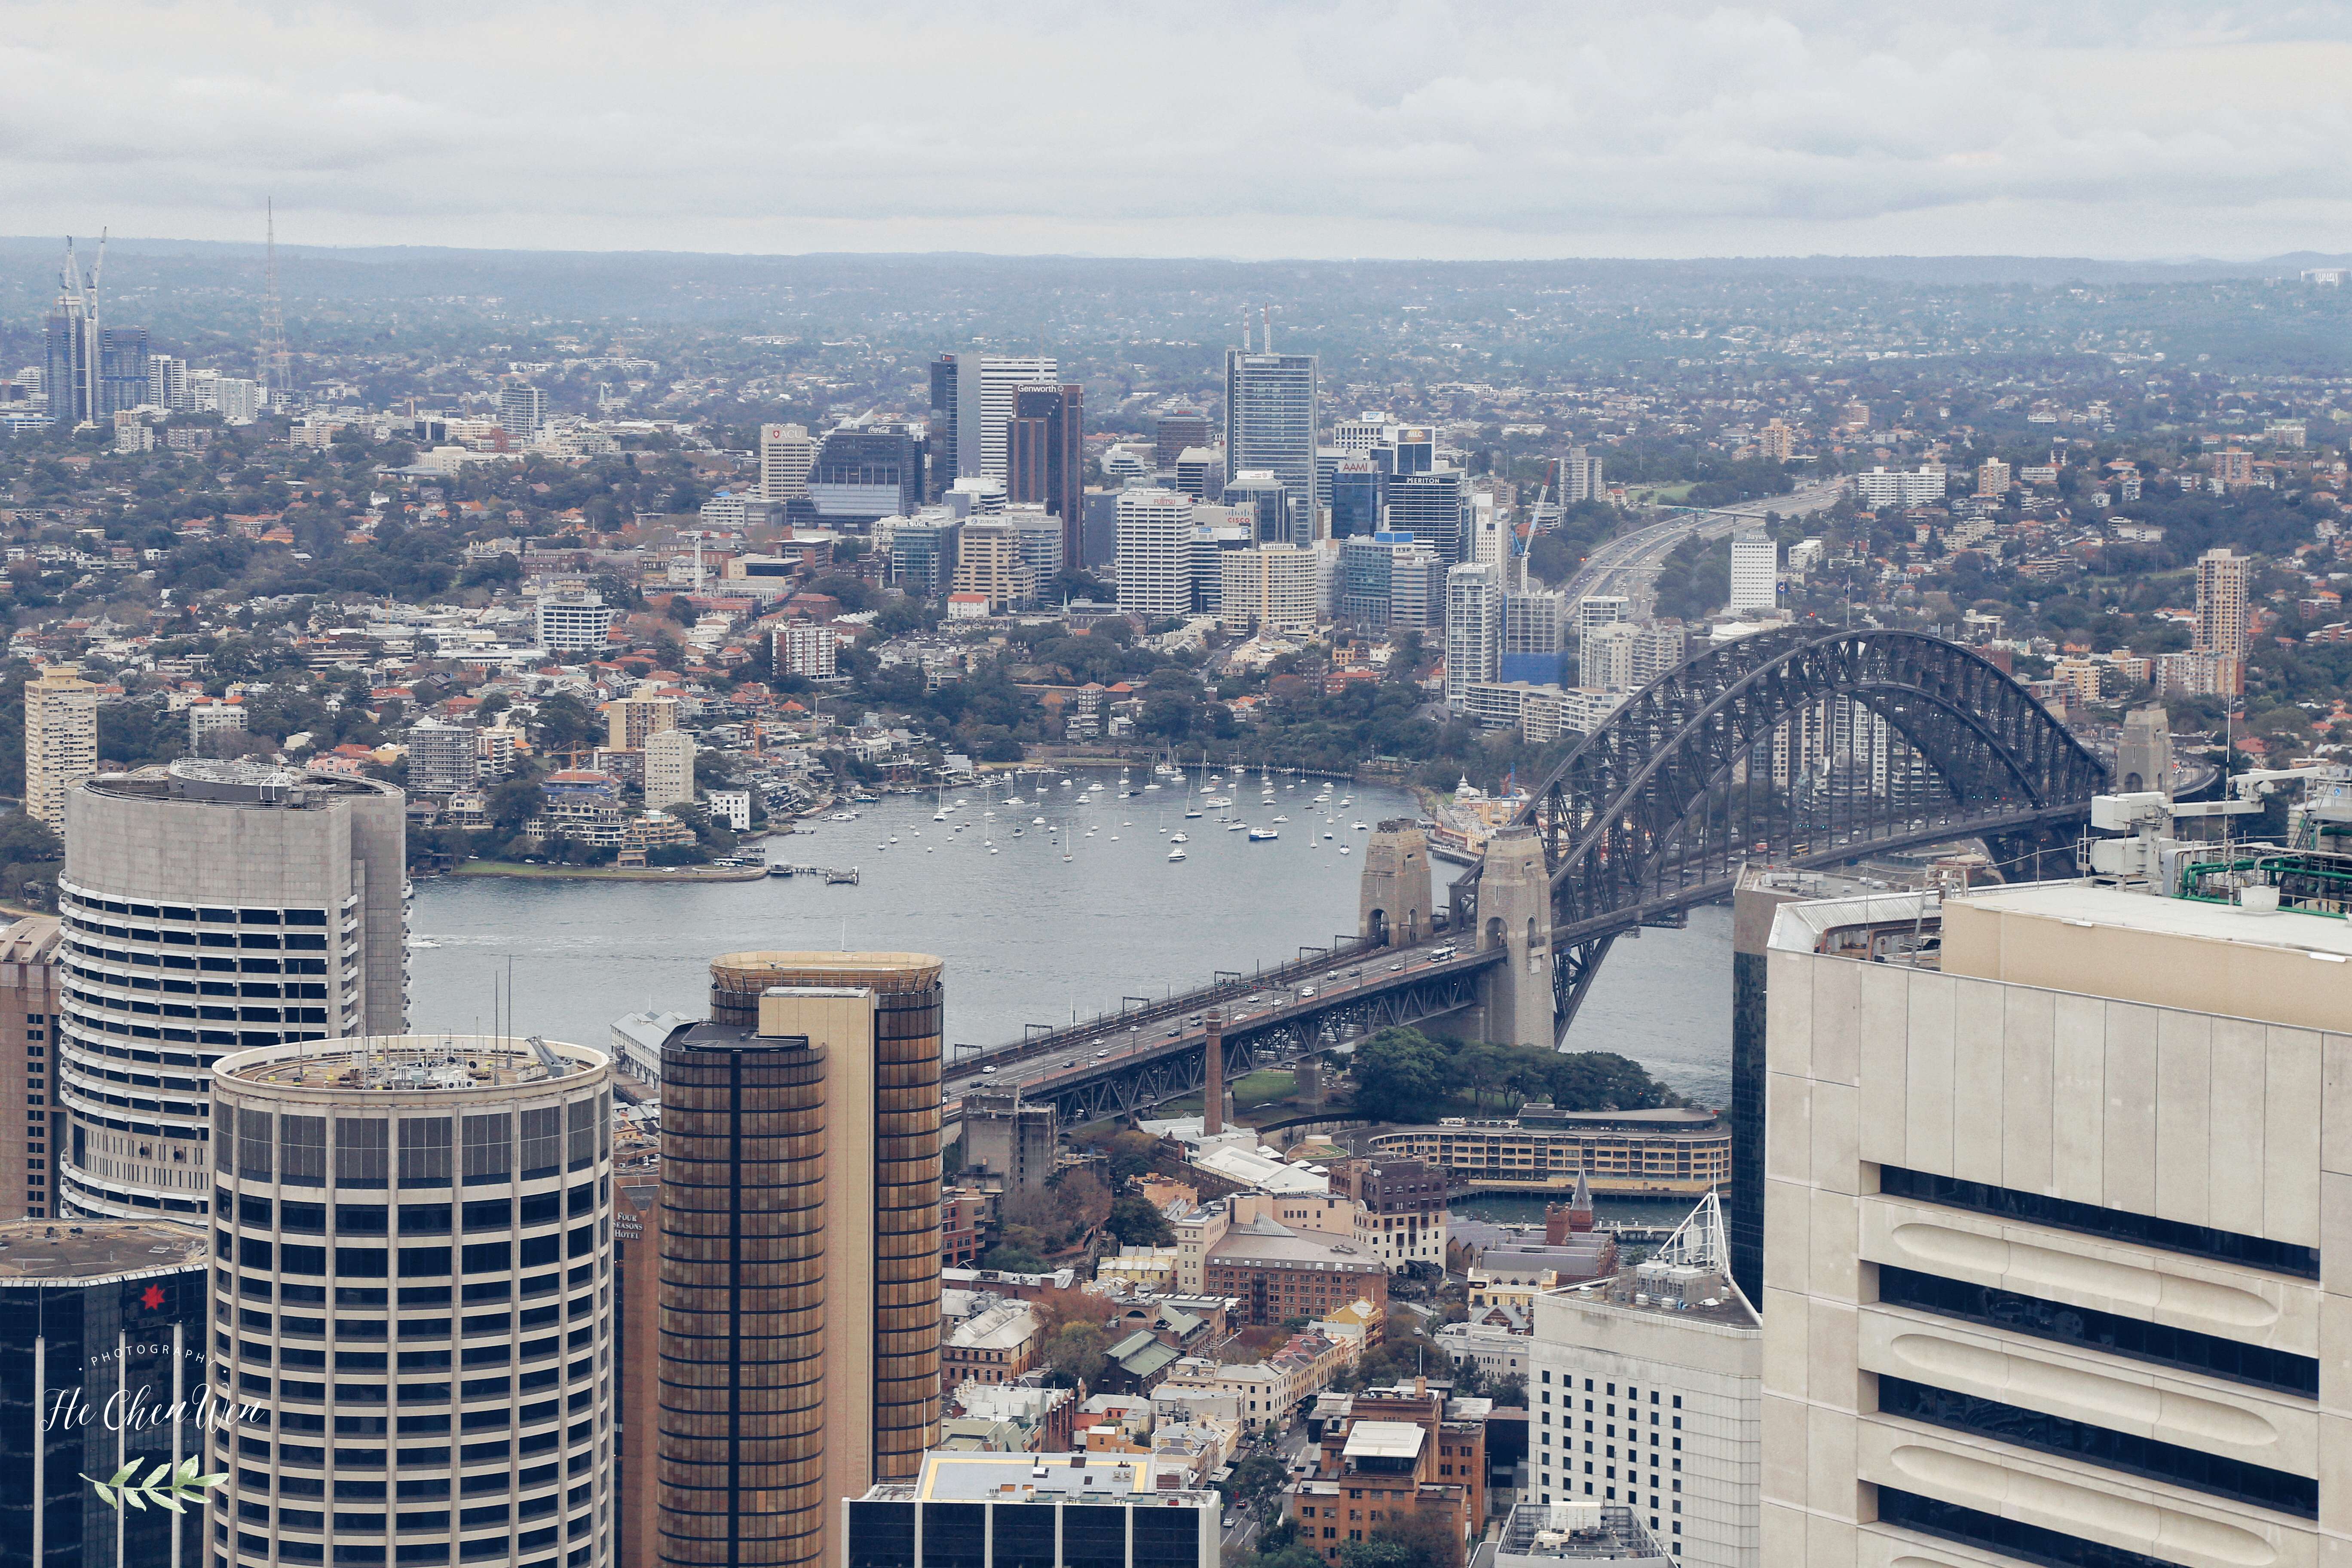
(208, 906)
(429, 1218)
(800, 1347)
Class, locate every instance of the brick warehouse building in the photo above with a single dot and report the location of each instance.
(1278, 1274)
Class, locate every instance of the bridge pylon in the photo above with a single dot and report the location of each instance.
(1395, 904)
(1515, 913)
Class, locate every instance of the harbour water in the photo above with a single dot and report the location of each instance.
(1029, 936)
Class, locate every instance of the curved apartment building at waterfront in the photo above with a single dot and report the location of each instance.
(1673, 1152)
(413, 1298)
(210, 906)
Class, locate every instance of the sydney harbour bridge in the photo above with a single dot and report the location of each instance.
(1800, 747)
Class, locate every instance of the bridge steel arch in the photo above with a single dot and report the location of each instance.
(1657, 809)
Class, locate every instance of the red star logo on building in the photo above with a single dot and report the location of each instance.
(151, 1297)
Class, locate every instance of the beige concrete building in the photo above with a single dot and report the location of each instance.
(2058, 1234)
(631, 722)
(988, 560)
(1270, 588)
(31, 987)
(787, 453)
(209, 906)
(61, 741)
(669, 769)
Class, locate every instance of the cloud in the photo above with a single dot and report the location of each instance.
(1397, 127)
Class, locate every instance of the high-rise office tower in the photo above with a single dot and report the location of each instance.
(1473, 628)
(2221, 630)
(1041, 536)
(95, 1320)
(923, 553)
(61, 741)
(866, 472)
(1355, 499)
(1276, 515)
(1270, 423)
(2051, 1196)
(32, 980)
(1358, 435)
(799, 1294)
(787, 453)
(985, 385)
(1666, 1357)
(208, 906)
(523, 410)
(430, 1215)
(1045, 458)
(637, 1333)
(1155, 552)
(1430, 504)
(1755, 572)
(1175, 431)
(1009, 1510)
(942, 436)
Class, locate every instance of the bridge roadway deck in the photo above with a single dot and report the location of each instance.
(1055, 1065)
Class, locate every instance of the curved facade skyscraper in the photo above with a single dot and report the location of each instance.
(800, 1255)
(208, 906)
(412, 1287)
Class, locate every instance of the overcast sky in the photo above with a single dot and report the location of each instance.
(1398, 128)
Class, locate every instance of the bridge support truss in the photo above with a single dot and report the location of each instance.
(1800, 747)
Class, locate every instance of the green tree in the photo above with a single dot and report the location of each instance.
(24, 838)
(1399, 1075)
(1137, 1223)
(1255, 1485)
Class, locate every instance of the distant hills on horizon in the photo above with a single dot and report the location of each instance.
(1947, 269)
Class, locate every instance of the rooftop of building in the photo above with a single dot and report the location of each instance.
(235, 782)
(1574, 1531)
(97, 1252)
(1264, 1241)
(1399, 1440)
(998, 1328)
(1535, 1119)
(410, 1063)
(1122, 1479)
(2088, 937)
(30, 940)
(2086, 903)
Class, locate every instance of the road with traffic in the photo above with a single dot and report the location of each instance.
(1624, 564)
(1109, 1043)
